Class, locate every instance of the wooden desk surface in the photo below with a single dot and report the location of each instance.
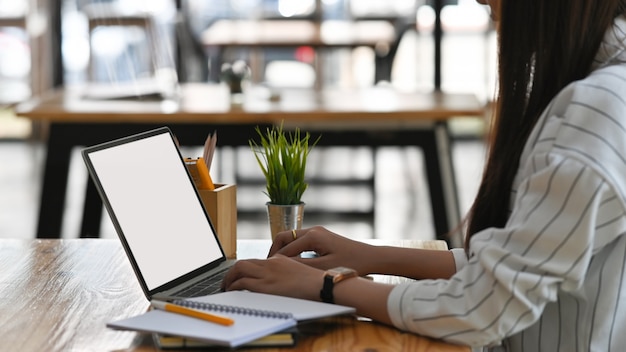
(206, 103)
(57, 295)
(291, 33)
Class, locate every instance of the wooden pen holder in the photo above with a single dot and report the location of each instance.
(221, 204)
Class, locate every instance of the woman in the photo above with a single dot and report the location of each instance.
(543, 265)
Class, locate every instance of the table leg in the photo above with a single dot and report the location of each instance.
(54, 186)
(215, 57)
(442, 186)
(92, 212)
(62, 138)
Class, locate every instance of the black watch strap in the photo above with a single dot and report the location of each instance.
(326, 294)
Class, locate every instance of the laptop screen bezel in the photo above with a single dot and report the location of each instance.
(149, 293)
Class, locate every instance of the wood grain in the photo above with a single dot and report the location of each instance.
(57, 295)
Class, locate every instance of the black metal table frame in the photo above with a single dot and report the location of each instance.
(63, 137)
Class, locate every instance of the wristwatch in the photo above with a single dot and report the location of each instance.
(331, 277)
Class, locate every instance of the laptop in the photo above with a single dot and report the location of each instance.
(158, 214)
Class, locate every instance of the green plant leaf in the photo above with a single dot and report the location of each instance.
(282, 158)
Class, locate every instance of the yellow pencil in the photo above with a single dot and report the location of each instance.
(174, 308)
(200, 173)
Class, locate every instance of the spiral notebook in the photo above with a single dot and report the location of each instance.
(255, 314)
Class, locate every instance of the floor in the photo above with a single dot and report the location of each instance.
(402, 208)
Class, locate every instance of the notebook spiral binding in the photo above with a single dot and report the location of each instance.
(232, 309)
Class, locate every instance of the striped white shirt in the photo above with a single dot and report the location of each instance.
(553, 278)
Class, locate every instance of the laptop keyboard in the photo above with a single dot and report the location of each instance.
(207, 286)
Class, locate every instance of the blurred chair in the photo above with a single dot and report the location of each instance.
(14, 59)
(401, 14)
(109, 15)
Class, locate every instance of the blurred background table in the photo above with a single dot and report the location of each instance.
(374, 117)
(324, 36)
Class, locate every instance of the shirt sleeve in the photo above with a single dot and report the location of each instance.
(513, 272)
(460, 258)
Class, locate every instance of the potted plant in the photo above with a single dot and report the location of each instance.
(282, 157)
(235, 76)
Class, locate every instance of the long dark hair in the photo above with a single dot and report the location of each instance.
(543, 46)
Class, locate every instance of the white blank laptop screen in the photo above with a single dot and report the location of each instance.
(157, 208)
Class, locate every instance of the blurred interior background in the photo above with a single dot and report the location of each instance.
(50, 43)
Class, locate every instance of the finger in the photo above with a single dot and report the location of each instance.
(285, 238)
(250, 284)
(280, 240)
(242, 268)
(254, 275)
(303, 243)
(243, 283)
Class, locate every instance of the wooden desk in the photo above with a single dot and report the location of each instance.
(293, 33)
(13, 21)
(325, 35)
(370, 117)
(57, 295)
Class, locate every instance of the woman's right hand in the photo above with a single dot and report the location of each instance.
(332, 249)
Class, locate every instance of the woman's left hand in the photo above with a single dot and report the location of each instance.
(278, 275)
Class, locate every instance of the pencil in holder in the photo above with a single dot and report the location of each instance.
(221, 204)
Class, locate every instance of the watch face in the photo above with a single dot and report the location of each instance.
(331, 277)
(340, 270)
(340, 273)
